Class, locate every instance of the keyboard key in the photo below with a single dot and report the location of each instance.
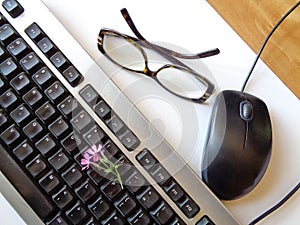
(59, 127)
(129, 140)
(33, 130)
(110, 149)
(37, 166)
(56, 92)
(71, 143)
(59, 219)
(3, 54)
(59, 160)
(149, 197)
(21, 83)
(96, 176)
(135, 181)
(18, 48)
(94, 135)
(159, 174)
(46, 113)
(11, 136)
(63, 198)
(73, 175)
(43, 78)
(174, 191)
(69, 107)
(102, 109)
(86, 191)
(111, 189)
(59, 60)
(50, 182)
(46, 145)
(7, 34)
(205, 220)
(139, 218)
(113, 219)
(3, 118)
(125, 164)
(20, 114)
(189, 207)
(115, 124)
(163, 213)
(8, 99)
(42, 206)
(34, 32)
(177, 221)
(13, 8)
(81, 121)
(126, 204)
(33, 98)
(24, 151)
(89, 94)
(8, 68)
(46, 46)
(2, 84)
(92, 221)
(77, 213)
(73, 76)
(99, 208)
(30, 62)
(146, 159)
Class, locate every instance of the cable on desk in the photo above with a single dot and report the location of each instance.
(282, 201)
(265, 42)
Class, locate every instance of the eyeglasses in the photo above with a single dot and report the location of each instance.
(177, 78)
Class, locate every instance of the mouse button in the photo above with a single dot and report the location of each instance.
(246, 110)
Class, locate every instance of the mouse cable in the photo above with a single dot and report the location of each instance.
(282, 201)
(265, 42)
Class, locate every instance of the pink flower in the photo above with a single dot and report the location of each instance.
(85, 162)
(93, 151)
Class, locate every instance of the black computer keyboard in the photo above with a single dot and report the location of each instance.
(44, 132)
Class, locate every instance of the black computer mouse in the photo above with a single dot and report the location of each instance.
(238, 146)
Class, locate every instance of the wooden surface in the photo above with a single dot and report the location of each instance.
(253, 20)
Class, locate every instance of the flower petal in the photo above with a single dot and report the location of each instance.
(95, 157)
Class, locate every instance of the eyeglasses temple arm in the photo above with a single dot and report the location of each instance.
(132, 26)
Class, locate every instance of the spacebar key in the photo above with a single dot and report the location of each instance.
(22, 182)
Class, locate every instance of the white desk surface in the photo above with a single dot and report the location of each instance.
(195, 26)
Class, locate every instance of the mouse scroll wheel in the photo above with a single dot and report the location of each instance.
(246, 110)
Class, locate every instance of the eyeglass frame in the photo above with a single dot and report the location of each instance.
(141, 42)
